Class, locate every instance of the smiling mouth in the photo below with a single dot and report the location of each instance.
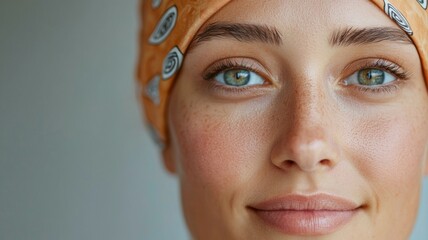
(317, 214)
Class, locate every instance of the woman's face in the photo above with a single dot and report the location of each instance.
(302, 118)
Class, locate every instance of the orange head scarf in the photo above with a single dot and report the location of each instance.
(168, 27)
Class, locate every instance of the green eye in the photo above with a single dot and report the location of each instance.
(236, 77)
(371, 76)
(239, 78)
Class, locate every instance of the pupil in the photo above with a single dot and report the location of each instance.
(371, 77)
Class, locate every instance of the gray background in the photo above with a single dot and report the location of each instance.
(75, 161)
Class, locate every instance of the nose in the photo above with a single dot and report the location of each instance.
(307, 140)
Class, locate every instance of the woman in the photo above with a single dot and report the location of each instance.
(290, 119)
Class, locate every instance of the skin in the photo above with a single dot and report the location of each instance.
(302, 131)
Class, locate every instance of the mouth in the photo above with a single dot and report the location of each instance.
(317, 214)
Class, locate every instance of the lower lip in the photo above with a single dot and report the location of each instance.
(306, 222)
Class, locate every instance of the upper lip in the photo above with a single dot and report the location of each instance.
(298, 202)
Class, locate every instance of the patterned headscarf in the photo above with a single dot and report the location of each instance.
(168, 27)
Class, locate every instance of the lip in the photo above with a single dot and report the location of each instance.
(316, 214)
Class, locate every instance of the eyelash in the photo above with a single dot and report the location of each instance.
(228, 64)
(381, 64)
(399, 73)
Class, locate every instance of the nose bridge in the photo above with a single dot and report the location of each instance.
(305, 141)
(308, 127)
(308, 110)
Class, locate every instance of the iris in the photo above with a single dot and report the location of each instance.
(239, 77)
(371, 76)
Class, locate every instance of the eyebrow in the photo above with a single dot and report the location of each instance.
(355, 36)
(240, 31)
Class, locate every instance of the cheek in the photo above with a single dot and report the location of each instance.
(388, 150)
(216, 144)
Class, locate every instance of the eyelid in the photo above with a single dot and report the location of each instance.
(353, 79)
(377, 63)
(376, 91)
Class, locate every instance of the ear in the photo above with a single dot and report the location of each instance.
(168, 160)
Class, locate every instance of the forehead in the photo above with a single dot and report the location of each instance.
(304, 17)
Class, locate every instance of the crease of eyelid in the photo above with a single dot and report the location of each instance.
(353, 36)
(240, 31)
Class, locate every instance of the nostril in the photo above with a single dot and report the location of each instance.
(325, 162)
(289, 163)
(308, 166)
